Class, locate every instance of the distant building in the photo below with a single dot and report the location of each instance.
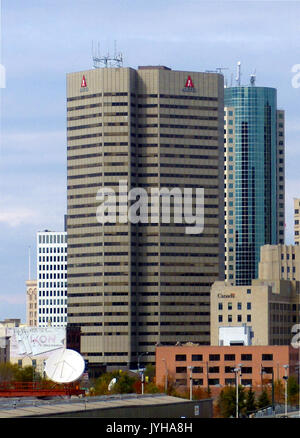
(264, 312)
(212, 366)
(297, 221)
(131, 285)
(52, 278)
(4, 349)
(31, 303)
(254, 178)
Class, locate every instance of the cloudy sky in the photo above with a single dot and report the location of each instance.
(42, 40)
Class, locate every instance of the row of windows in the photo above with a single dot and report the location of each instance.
(229, 306)
(52, 250)
(238, 318)
(52, 238)
(217, 357)
(53, 319)
(54, 276)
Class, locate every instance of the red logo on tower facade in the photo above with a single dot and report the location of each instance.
(83, 82)
(189, 85)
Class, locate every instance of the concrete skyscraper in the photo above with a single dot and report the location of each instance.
(133, 285)
(254, 178)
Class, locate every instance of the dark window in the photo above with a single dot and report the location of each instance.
(267, 356)
(246, 370)
(229, 356)
(229, 370)
(197, 381)
(213, 369)
(213, 381)
(180, 357)
(267, 370)
(197, 357)
(246, 382)
(214, 357)
(180, 369)
(246, 356)
(197, 369)
(230, 381)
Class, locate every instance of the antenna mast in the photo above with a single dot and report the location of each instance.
(106, 61)
(29, 263)
(238, 74)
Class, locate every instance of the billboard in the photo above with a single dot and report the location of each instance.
(35, 341)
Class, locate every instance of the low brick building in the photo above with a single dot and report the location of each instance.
(213, 365)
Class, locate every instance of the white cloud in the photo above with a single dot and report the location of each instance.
(19, 216)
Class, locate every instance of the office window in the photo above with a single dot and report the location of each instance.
(214, 357)
(229, 318)
(180, 357)
(198, 370)
(229, 306)
(248, 318)
(229, 356)
(239, 306)
(213, 370)
(246, 356)
(220, 306)
(239, 318)
(197, 357)
(267, 356)
(180, 370)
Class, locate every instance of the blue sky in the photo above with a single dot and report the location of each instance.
(42, 40)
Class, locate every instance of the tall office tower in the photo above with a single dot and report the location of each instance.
(296, 221)
(133, 285)
(254, 178)
(52, 278)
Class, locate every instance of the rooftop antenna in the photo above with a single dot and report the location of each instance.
(238, 74)
(29, 263)
(253, 78)
(106, 61)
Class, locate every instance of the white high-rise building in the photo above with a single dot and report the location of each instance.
(52, 278)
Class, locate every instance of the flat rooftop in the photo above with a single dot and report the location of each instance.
(13, 408)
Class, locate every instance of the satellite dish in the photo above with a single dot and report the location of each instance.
(64, 366)
(111, 384)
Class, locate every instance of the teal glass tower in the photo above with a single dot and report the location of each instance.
(254, 178)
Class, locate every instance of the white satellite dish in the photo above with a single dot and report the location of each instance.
(64, 366)
(112, 383)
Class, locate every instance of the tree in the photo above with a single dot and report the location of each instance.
(279, 391)
(250, 401)
(150, 372)
(124, 383)
(263, 400)
(227, 401)
(292, 390)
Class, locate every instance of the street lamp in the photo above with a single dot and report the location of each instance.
(237, 370)
(263, 371)
(285, 381)
(166, 376)
(191, 381)
(142, 374)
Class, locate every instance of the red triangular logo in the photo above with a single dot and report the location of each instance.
(189, 83)
(83, 82)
